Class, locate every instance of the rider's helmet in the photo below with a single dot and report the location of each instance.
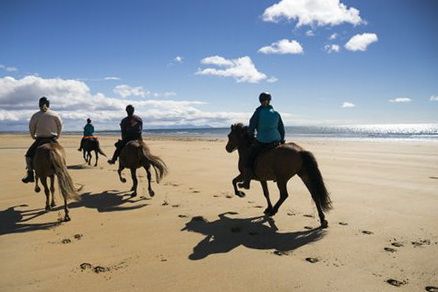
(88, 120)
(264, 96)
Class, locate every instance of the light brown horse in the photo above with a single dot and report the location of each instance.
(280, 164)
(91, 144)
(49, 160)
(136, 154)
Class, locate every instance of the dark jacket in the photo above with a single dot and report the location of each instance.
(131, 127)
(268, 124)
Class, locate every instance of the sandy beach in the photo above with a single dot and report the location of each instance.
(196, 235)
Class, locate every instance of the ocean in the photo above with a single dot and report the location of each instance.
(377, 131)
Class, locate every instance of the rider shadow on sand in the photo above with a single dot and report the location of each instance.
(225, 234)
(108, 201)
(14, 220)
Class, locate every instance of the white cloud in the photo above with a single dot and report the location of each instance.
(272, 79)
(75, 102)
(313, 12)
(178, 59)
(332, 48)
(434, 98)
(241, 69)
(360, 42)
(111, 78)
(333, 36)
(8, 69)
(347, 104)
(126, 90)
(310, 33)
(400, 100)
(283, 46)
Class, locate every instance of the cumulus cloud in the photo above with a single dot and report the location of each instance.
(360, 42)
(332, 48)
(178, 59)
(333, 36)
(241, 69)
(111, 78)
(400, 100)
(8, 68)
(283, 46)
(313, 12)
(272, 79)
(347, 104)
(310, 33)
(75, 102)
(126, 90)
(434, 98)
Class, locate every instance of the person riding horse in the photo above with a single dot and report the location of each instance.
(270, 133)
(45, 126)
(131, 127)
(88, 133)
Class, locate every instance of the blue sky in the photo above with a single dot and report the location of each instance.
(204, 62)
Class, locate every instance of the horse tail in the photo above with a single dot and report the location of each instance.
(316, 182)
(64, 179)
(157, 163)
(99, 149)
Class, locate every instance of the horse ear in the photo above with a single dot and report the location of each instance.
(232, 126)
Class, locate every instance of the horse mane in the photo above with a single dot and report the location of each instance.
(244, 130)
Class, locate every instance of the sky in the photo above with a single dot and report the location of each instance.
(203, 63)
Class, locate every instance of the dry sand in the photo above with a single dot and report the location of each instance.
(385, 195)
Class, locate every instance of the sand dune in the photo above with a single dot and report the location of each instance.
(195, 234)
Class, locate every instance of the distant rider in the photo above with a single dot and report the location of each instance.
(45, 126)
(270, 133)
(131, 127)
(88, 133)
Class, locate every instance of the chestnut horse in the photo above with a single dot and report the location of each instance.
(280, 164)
(136, 154)
(49, 160)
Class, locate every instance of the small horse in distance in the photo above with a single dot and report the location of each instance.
(49, 160)
(136, 154)
(89, 145)
(280, 164)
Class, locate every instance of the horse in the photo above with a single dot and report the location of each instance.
(280, 164)
(91, 144)
(136, 154)
(49, 160)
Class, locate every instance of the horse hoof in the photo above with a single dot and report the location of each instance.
(271, 213)
(53, 205)
(151, 193)
(134, 194)
(324, 224)
(268, 211)
(37, 189)
(48, 208)
(123, 180)
(67, 218)
(240, 194)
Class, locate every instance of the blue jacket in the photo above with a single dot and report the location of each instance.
(88, 130)
(268, 124)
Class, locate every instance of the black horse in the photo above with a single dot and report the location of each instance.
(88, 145)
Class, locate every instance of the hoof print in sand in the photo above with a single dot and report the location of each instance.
(343, 223)
(396, 283)
(367, 232)
(85, 266)
(175, 206)
(258, 207)
(78, 236)
(421, 242)
(182, 216)
(390, 249)
(280, 252)
(66, 241)
(308, 215)
(431, 289)
(397, 244)
(100, 269)
(165, 203)
(290, 214)
(312, 260)
(96, 269)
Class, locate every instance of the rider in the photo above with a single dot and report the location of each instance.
(270, 132)
(45, 126)
(88, 133)
(131, 127)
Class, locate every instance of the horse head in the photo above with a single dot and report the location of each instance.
(237, 137)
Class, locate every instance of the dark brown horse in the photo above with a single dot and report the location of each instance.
(49, 160)
(280, 164)
(136, 154)
(88, 145)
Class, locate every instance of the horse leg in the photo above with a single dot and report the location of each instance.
(148, 172)
(282, 187)
(235, 180)
(134, 182)
(119, 171)
(312, 191)
(66, 216)
(84, 153)
(266, 194)
(89, 157)
(46, 191)
(97, 157)
(37, 187)
(52, 190)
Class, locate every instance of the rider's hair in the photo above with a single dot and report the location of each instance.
(44, 101)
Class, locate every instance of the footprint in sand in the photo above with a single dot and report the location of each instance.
(182, 216)
(229, 196)
(312, 260)
(216, 196)
(258, 207)
(85, 266)
(78, 236)
(165, 203)
(420, 242)
(367, 232)
(343, 223)
(396, 283)
(280, 252)
(397, 244)
(431, 288)
(196, 192)
(175, 206)
(390, 249)
(290, 213)
(66, 241)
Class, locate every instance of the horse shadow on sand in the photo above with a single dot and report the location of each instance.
(225, 234)
(17, 220)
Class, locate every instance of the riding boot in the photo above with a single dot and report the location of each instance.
(30, 177)
(247, 176)
(114, 159)
(80, 147)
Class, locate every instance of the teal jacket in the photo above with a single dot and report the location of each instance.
(268, 124)
(88, 130)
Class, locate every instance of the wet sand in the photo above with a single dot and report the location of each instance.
(195, 234)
